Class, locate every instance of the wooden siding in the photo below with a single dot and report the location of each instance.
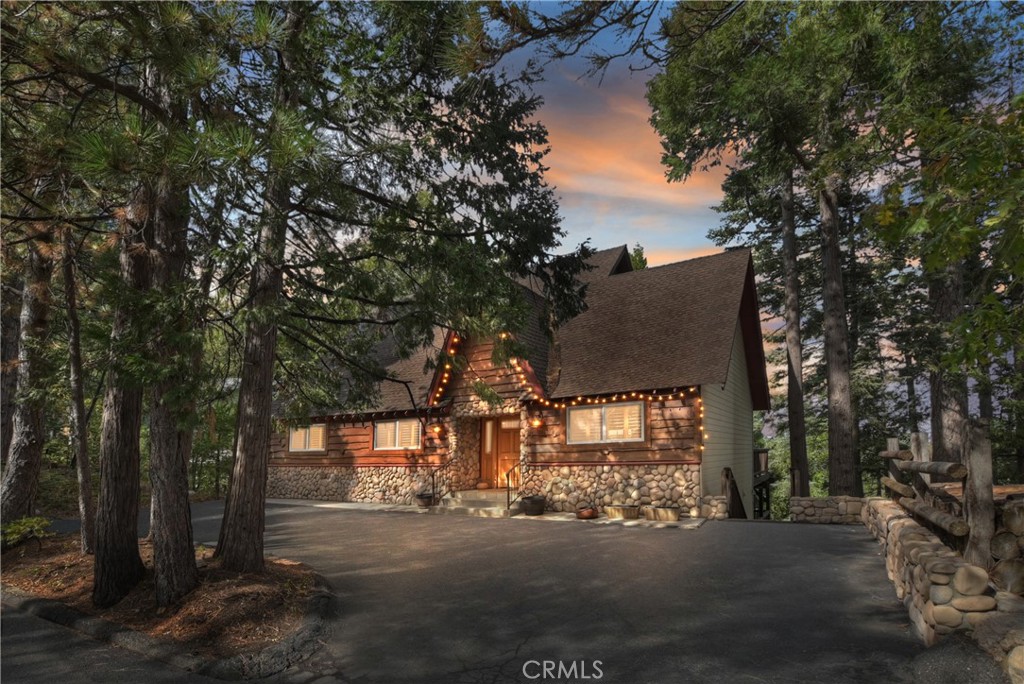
(670, 436)
(352, 444)
(729, 424)
(480, 367)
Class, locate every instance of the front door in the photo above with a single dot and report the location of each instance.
(508, 448)
(499, 449)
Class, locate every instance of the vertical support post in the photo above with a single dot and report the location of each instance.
(922, 451)
(979, 508)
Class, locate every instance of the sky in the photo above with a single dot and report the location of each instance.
(605, 167)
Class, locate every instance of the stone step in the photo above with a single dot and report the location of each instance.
(492, 496)
(448, 508)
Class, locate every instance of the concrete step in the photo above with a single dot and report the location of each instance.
(491, 496)
(474, 511)
(481, 503)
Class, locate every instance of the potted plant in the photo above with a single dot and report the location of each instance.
(622, 511)
(661, 513)
(424, 499)
(534, 504)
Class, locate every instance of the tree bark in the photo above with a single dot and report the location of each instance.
(794, 345)
(948, 389)
(118, 566)
(79, 428)
(10, 327)
(913, 416)
(240, 546)
(172, 414)
(21, 477)
(842, 462)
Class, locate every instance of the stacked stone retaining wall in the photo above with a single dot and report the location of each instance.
(941, 591)
(366, 484)
(834, 510)
(569, 487)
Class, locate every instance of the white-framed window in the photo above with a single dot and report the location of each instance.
(396, 434)
(606, 423)
(308, 438)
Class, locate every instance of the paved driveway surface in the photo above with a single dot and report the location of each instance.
(448, 599)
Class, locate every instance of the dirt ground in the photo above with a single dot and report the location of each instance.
(229, 613)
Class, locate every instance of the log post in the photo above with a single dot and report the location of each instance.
(921, 451)
(979, 508)
(954, 470)
(957, 527)
(899, 487)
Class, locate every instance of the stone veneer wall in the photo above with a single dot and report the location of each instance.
(366, 484)
(942, 592)
(715, 508)
(568, 487)
(835, 510)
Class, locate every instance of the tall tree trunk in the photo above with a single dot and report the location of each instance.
(240, 546)
(172, 415)
(79, 428)
(10, 324)
(118, 566)
(842, 461)
(913, 415)
(794, 345)
(21, 477)
(948, 388)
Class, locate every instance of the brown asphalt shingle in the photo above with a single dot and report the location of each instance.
(657, 328)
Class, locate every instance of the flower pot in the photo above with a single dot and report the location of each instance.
(424, 500)
(622, 512)
(663, 513)
(533, 505)
(587, 513)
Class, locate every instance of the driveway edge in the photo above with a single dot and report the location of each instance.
(273, 659)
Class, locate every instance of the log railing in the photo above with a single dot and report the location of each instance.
(917, 498)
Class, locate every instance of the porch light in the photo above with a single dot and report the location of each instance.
(536, 422)
(437, 429)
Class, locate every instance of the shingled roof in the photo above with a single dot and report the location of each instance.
(664, 327)
(657, 328)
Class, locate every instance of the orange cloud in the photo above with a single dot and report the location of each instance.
(606, 147)
(660, 257)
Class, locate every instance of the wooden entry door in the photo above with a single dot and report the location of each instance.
(499, 449)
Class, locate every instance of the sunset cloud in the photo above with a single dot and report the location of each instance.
(605, 166)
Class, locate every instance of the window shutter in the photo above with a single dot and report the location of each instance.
(384, 435)
(633, 421)
(316, 437)
(297, 439)
(615, 423)
(585, 425)
(409, 433)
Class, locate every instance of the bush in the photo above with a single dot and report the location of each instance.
(20, 531)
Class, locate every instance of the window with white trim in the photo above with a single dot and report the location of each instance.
(396, 434)
(607, 423)
(308, 438)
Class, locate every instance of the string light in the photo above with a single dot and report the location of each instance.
(446, 376)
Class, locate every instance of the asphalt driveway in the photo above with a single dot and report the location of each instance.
(449, 599)
(463, 600)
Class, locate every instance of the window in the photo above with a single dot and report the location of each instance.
(396, 434)
(310, 438)
(613, 423)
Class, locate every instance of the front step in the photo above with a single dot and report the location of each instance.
(480, 503)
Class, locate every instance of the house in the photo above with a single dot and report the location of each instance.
(646, 397)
